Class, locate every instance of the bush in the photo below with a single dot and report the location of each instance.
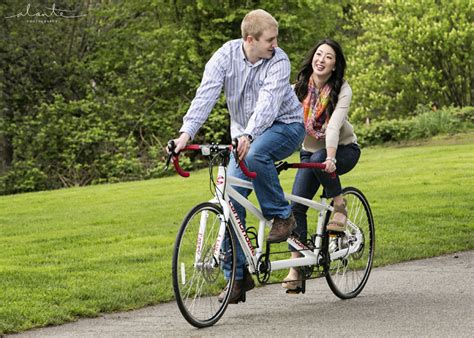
(426, 124)
(383, 131)
(466, 114)
(433, 123)
(25, 176)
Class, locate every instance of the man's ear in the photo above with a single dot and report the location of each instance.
(249, 39)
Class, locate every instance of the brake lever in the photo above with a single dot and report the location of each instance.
(235, 143)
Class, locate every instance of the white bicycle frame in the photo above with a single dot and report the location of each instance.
(224, 190)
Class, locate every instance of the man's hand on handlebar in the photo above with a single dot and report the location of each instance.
(243, 147)
(179, 143)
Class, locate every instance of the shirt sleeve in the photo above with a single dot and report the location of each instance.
(206, 95)
(338, 116)
(270, 97)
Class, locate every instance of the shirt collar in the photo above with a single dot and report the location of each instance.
(244, 58)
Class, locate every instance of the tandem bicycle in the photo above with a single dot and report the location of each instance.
(345, 260)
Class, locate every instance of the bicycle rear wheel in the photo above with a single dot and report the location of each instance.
(197, 270)
(351, 255)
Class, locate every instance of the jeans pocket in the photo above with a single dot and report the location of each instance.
(297, 132)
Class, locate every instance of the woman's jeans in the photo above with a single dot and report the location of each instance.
(307, 181)
(275, 144)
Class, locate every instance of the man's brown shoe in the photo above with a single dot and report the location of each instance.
(238, 291)
(281, 229)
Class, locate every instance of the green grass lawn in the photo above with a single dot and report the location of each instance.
(78, 252)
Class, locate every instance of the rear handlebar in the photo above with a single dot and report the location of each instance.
(309, 165)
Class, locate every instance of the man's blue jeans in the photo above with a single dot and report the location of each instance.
(275, 144)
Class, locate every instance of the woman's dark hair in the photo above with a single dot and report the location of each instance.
(336, 79)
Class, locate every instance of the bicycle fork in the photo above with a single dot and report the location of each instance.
(214, 259)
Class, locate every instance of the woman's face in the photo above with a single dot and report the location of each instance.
(324, 61)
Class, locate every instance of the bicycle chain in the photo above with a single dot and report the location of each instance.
(263, 270)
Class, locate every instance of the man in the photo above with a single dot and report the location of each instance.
(265, 116)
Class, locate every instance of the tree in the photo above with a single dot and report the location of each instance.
(95, 98)
(409, 53)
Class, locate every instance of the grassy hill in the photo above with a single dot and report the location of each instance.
(78, 252)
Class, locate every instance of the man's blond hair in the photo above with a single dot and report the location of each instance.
(255, 22)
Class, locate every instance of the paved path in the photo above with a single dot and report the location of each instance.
(432, 297)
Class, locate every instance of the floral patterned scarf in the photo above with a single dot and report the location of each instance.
(315, 115)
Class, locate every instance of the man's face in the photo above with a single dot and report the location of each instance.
(263, 47)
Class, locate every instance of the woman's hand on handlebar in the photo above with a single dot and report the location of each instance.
(330, 166)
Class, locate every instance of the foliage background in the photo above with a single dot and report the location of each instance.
(94, 99)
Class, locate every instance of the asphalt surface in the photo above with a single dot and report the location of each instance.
(429, 298)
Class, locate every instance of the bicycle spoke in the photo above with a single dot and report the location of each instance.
(197, 274)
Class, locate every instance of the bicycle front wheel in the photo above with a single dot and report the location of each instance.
(350, 256)
(197, 267)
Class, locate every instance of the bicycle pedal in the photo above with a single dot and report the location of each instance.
(294, 291)
(242, 299)
(294, 234)
(336, 234)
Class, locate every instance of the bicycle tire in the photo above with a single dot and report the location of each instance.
(197, 284)
(347, 275)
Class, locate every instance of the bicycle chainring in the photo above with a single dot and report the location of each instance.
(307, 271)
(263, 269)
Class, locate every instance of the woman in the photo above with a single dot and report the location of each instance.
(330, 138)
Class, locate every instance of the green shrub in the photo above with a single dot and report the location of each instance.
(466, 114)
(433, 123)
(24, 176)
(425, 124)
(383, 131)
